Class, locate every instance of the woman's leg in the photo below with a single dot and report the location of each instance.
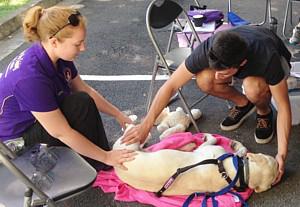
(83, 116)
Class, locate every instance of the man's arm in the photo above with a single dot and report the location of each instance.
(160, 101)
(280, 94)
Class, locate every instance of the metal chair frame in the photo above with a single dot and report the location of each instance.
(288, 12)
(33, 196)
(267, 16)
(160, 59)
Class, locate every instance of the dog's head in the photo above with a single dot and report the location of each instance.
(263, 170)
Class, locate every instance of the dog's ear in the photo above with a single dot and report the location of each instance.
(262, 188)
(257, 189)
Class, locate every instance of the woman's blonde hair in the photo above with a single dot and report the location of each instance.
(41, 24)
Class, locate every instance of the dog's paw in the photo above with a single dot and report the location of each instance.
(241, 152)
(238, 148)
(133, 118)
(209, 139)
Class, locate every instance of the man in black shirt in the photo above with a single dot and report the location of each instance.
(253, 54)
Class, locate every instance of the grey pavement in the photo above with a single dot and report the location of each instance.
(118, 44)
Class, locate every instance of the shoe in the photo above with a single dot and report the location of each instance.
(295, 38)
(264, 128)
(236, 116)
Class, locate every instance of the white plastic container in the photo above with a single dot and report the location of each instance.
(295, 106)
(294, 95)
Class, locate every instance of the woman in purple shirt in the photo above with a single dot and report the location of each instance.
(42, 97)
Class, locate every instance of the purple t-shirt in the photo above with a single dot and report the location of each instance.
(31, 83)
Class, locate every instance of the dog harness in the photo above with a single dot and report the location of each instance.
(239, 163)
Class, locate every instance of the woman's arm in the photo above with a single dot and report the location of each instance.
(57, 126)
(102, 104)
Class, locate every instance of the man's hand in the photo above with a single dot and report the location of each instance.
(116, 158)
(135, 134)
(281, 162)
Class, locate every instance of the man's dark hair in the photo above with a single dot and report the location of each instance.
(229, 49)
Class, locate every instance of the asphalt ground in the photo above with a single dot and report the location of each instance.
(118, 45)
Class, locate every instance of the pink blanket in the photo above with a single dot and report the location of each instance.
(109, 182)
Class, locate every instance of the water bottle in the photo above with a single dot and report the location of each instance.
(42, 159)
(15, 145)
(273, 24)
(43, 181)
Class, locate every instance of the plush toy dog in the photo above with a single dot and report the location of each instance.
(175, 121)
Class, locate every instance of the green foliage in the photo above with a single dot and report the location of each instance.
(9, 6)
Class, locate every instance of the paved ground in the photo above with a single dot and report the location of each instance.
(118, 44)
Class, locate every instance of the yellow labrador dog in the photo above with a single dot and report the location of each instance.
(150, 170)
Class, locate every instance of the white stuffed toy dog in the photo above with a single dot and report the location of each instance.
(175, 121)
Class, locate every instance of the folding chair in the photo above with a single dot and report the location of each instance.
(159, 15)
(71, 176)
(178, 26)
(288, 12)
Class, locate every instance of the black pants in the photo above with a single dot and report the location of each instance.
(82, 114)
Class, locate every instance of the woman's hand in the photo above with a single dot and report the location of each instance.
(116, 158)
(123, 120)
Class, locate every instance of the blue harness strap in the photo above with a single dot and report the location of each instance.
(242, 200)
(226, 189)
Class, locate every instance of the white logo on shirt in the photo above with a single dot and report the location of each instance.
(15, 63)
(60, 93)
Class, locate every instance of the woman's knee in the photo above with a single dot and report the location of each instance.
(78, 98)
(77, 103)
(255, 88)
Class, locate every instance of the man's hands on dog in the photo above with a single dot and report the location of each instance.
(116, 158)
(135, 134)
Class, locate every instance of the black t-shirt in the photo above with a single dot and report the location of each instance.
(263, 56)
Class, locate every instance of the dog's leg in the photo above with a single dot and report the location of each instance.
(209, 139)
(188, 147)
(238, 148)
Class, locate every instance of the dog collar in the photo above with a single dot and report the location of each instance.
(246, 170)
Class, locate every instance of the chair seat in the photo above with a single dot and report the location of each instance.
(176, 56)
(71, 174)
